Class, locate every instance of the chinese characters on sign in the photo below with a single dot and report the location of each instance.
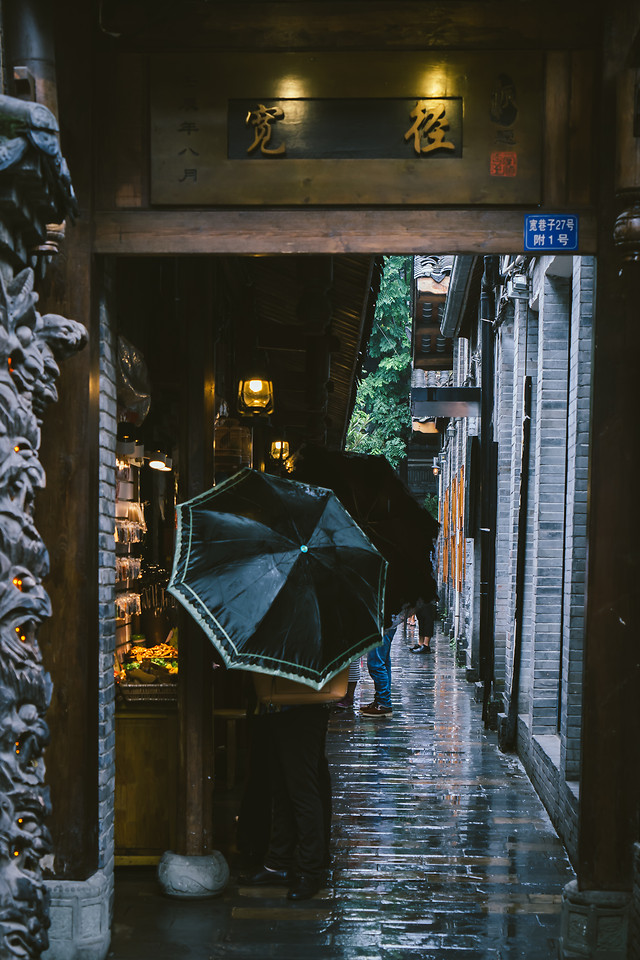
(355, 128)
(504, 163)
(551, 232)
(262, 120)
(504, 114)
(187, 128)
(429, 127)
(504, 108)
(344, 129)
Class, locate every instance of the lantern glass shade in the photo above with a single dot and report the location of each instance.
(279, 449)
(255, 395)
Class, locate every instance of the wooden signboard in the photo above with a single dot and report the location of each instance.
(352, 128)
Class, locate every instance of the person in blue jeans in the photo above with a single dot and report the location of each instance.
(379, 664)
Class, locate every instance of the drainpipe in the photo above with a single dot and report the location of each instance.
(489, 470)
(31, 62)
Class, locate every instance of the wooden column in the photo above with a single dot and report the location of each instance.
(195, 326)
(596, 906)
(67, 510)
(610, 782)
(610, 793)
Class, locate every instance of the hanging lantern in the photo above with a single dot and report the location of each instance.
(255, 390)
(255, 396)
(279, 450)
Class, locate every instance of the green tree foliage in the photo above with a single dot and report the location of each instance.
(381, 420)
(431, 504)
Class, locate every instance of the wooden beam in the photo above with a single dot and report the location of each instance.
(357, 25)
(260, 231)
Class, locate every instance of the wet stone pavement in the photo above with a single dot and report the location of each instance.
(441, 849)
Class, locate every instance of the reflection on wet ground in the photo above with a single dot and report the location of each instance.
(441, 849)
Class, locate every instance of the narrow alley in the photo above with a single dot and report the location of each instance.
(441, 848)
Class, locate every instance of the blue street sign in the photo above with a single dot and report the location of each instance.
(551, 231)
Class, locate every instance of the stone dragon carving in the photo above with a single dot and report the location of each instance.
(31, 347)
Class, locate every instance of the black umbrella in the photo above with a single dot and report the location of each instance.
(279, 576)
(383, 506)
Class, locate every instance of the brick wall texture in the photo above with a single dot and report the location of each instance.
(547, 338)
(107, 577)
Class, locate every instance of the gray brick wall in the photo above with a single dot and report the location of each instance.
(541, 758)
(548, 339)
(510, 459)
(107, 576)
(548, 500)
(526, 348)
(503, 434)
(578, 414)
(556, 537)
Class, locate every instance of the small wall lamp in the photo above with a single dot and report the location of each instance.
(160, 461)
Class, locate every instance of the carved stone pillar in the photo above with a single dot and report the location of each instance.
(31, 347)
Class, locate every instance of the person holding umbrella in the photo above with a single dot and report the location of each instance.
(285, 584)
(300, 791)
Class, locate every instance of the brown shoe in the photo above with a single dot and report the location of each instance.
(375, 710)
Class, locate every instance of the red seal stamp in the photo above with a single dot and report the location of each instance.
(504, 163)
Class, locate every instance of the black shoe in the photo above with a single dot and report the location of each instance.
(267, 878)
(304, 887)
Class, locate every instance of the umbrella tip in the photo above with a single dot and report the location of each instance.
(304, 548)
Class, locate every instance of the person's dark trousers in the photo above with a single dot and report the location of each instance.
(326, 796)
(254, 816)
(298, 820)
